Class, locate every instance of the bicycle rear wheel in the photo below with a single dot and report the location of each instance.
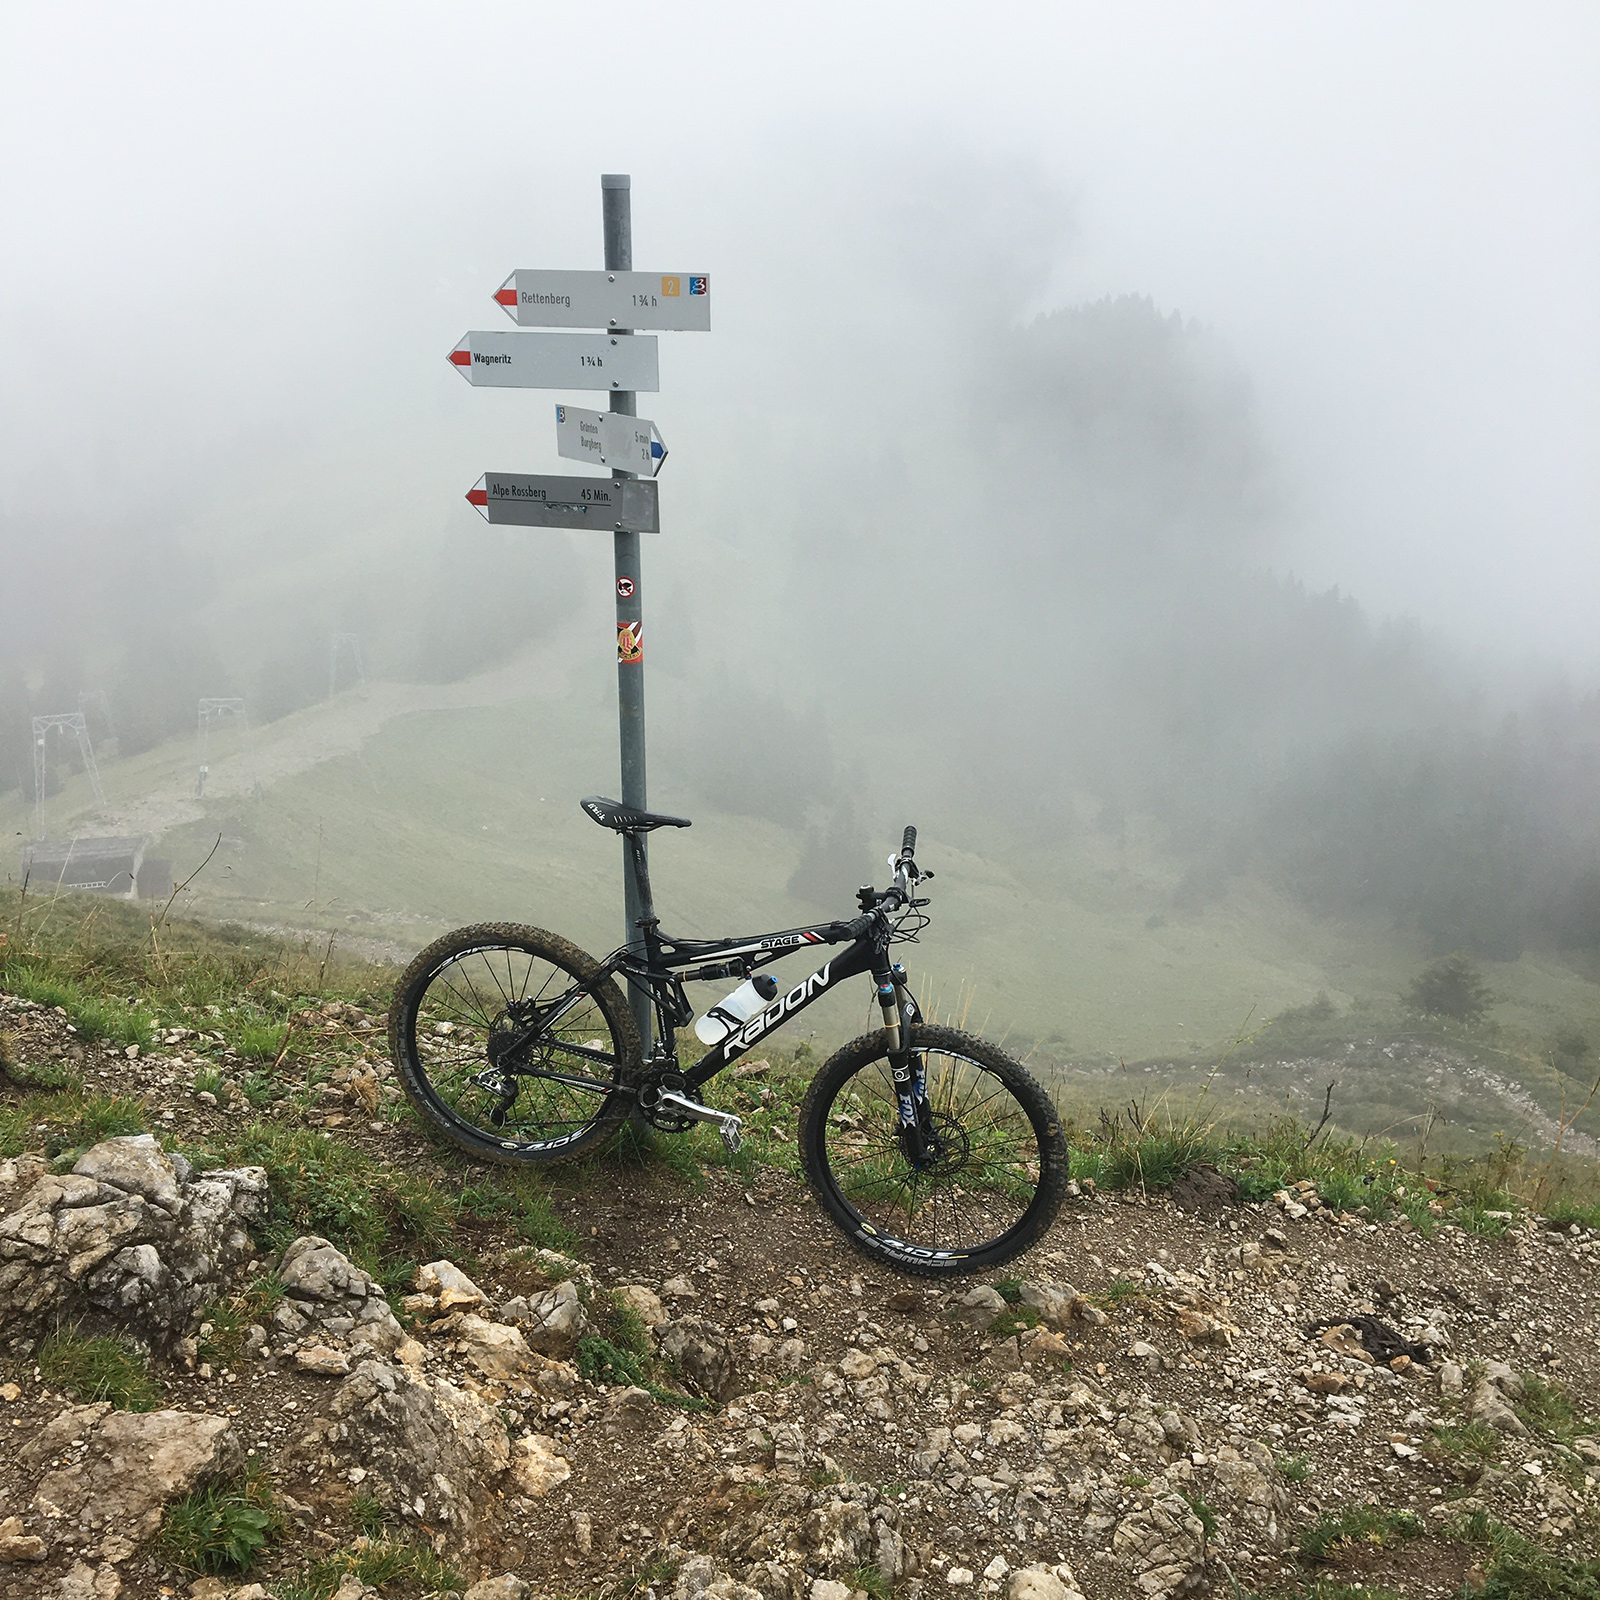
(993, 1185)
(507, 1041)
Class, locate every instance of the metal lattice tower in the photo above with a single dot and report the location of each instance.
(66, 722)
(214, 710)
(350, 644)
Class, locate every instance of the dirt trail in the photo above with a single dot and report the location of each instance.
(1152, 1405)
(339, 727)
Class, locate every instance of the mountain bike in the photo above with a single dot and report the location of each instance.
(935, 1152)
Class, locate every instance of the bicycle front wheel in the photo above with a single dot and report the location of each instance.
(508, 1042)
(989, 1188)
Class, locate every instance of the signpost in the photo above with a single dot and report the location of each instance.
(557, 361)
(661, 302)
(618, 300)
(606, 504)
(631, 443)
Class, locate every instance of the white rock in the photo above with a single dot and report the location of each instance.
(958, 1577)
(537, 1466)
(644, 1303)
(452, 1286)
(508, 1586)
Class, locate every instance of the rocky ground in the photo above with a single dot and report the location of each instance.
(1172, 1393)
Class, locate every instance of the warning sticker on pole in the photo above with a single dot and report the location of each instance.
(630, 641)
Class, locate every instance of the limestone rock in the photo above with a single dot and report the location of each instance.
(508, 1586)
(15, 1545)
(701, 1579)
(1490, 1406)
(1248, 1478)
(449, 1285)
(18, 1172)
(644, 1303)
(1040, 1583)
(83, 1582)
(1165, 1546)
(496, 1350)
(131, 1466)
(323, 1361)
(1200, 1328)
(130, 1232)
(537, 1466)
(701, 1351)
(838, 1531)
(979, 1307)
(629, 1410)
(553, 1321)
(327, 1294)
(1051, 1302)
(433, 1452)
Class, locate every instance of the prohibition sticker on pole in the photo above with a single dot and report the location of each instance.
(609, 439)
(558, 361)
(611, 505)
(624, 588)
(630, 642)
(662, 302)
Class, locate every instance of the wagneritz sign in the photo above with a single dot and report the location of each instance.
(608, 439)
(662, 302)
(610, 505)
(557, 361)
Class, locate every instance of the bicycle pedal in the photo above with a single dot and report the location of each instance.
(727, 1124)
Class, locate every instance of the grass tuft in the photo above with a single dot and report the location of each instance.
(97, 1367)
(1362, 1525)
(56, 1121)
(376, 1562)
(223, 1528)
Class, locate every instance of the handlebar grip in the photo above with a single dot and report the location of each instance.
(909, 843)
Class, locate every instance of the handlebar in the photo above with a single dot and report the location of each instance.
(878, 903)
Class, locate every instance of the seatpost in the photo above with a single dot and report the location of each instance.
(641, 869)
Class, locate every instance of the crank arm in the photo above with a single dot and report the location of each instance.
(729, 1126)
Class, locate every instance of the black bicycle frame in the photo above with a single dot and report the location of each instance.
(664, 959)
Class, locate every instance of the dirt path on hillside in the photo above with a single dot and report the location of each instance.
(339, 727)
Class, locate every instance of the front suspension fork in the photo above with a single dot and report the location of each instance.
(918, 1139)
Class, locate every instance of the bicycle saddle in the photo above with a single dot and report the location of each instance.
(613, 814)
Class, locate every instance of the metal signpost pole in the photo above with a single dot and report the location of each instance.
(617, 211)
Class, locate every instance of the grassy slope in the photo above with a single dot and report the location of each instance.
(443, 818)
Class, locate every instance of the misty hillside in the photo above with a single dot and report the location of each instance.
(1121, 657)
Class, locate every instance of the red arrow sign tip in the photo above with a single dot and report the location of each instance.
(478, 497)
(462, 358)
(506, 297)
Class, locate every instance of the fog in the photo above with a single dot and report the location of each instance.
(1187, 411)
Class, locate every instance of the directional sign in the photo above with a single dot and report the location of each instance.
(632, 444)
(666, 302)
(626, 505)
(557, 361)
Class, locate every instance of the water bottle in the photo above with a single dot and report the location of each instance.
(736, 1008)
